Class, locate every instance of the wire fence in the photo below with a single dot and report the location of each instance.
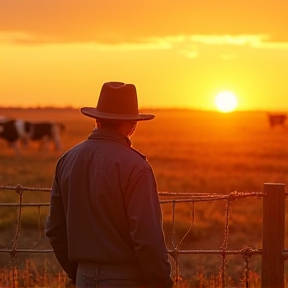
(175, 252)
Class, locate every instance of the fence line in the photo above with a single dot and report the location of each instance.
(268, 191)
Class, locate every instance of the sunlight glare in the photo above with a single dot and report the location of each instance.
(226, 101)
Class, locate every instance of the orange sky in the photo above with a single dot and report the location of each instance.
(178, 53)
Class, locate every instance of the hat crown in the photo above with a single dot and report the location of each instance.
(118, 98)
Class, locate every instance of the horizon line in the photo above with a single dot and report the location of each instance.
(48, 107)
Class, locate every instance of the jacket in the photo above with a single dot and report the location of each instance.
(105, 209)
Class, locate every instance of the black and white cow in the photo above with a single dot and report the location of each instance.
(17, 132)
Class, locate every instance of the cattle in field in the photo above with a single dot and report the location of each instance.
(276, 119)
(19, 133)
(9, 132)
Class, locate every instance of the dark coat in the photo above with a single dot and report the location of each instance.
(105, 209)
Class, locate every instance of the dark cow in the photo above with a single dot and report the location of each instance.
(9, 132)
(276, 119)
(19, 131)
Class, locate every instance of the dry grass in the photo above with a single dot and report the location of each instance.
(190, 151)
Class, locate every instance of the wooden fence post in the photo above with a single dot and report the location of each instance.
(273, 235)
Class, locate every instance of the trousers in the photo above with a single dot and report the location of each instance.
(91, 275)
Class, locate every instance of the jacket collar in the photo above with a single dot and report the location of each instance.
(110, 135)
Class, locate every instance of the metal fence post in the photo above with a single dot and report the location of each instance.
(273, 235)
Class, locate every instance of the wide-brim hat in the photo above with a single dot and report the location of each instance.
(117, 101)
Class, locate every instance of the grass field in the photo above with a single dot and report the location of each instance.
(190, 151)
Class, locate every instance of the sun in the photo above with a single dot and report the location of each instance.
(226, 101)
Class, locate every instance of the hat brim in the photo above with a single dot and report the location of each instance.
(94, 113)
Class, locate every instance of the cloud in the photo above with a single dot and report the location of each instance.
(188, 45)
(190, 53)
(271, 45)
(255, 41)
(228, 56)
(20, 37)
(228, 39)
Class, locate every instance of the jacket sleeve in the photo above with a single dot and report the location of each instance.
(145, 224)
(56, 233)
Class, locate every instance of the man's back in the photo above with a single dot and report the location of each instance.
(97, 178)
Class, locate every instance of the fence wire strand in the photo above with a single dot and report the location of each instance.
(173, 198)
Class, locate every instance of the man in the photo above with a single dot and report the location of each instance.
(105, 223)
